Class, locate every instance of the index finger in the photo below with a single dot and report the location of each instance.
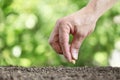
(64, 31)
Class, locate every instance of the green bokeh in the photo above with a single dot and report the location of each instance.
(25, 27)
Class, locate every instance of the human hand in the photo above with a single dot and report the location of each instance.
(80, 25)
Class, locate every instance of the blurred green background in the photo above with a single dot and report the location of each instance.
(25, 27)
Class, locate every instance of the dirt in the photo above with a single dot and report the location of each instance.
(59, 73)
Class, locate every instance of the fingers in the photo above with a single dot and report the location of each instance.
(59, 41)
(64, 32)
(75, 46)
(54, 40)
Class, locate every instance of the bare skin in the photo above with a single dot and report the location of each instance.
(80, 24)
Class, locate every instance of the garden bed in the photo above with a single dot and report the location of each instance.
(59, 73)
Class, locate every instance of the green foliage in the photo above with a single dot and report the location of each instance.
(25, 27)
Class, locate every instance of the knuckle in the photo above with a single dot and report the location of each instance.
(61, 42)
(76, 46)
(81, 35)
(61, 22)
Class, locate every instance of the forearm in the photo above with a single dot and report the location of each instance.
(100, 6)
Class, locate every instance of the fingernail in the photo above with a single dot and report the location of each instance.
(73, 61)
(75, 54)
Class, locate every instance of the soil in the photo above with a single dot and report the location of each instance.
(59, 73)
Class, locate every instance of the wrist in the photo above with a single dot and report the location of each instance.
(98, 7)
(89, 10)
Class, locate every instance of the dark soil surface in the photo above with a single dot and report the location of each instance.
(59, 73)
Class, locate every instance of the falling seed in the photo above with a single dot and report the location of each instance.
(73, 61)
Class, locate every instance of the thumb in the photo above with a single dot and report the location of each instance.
(75, 46)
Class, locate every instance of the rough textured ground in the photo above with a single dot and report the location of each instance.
(59, 73)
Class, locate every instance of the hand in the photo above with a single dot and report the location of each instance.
(80, 25)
